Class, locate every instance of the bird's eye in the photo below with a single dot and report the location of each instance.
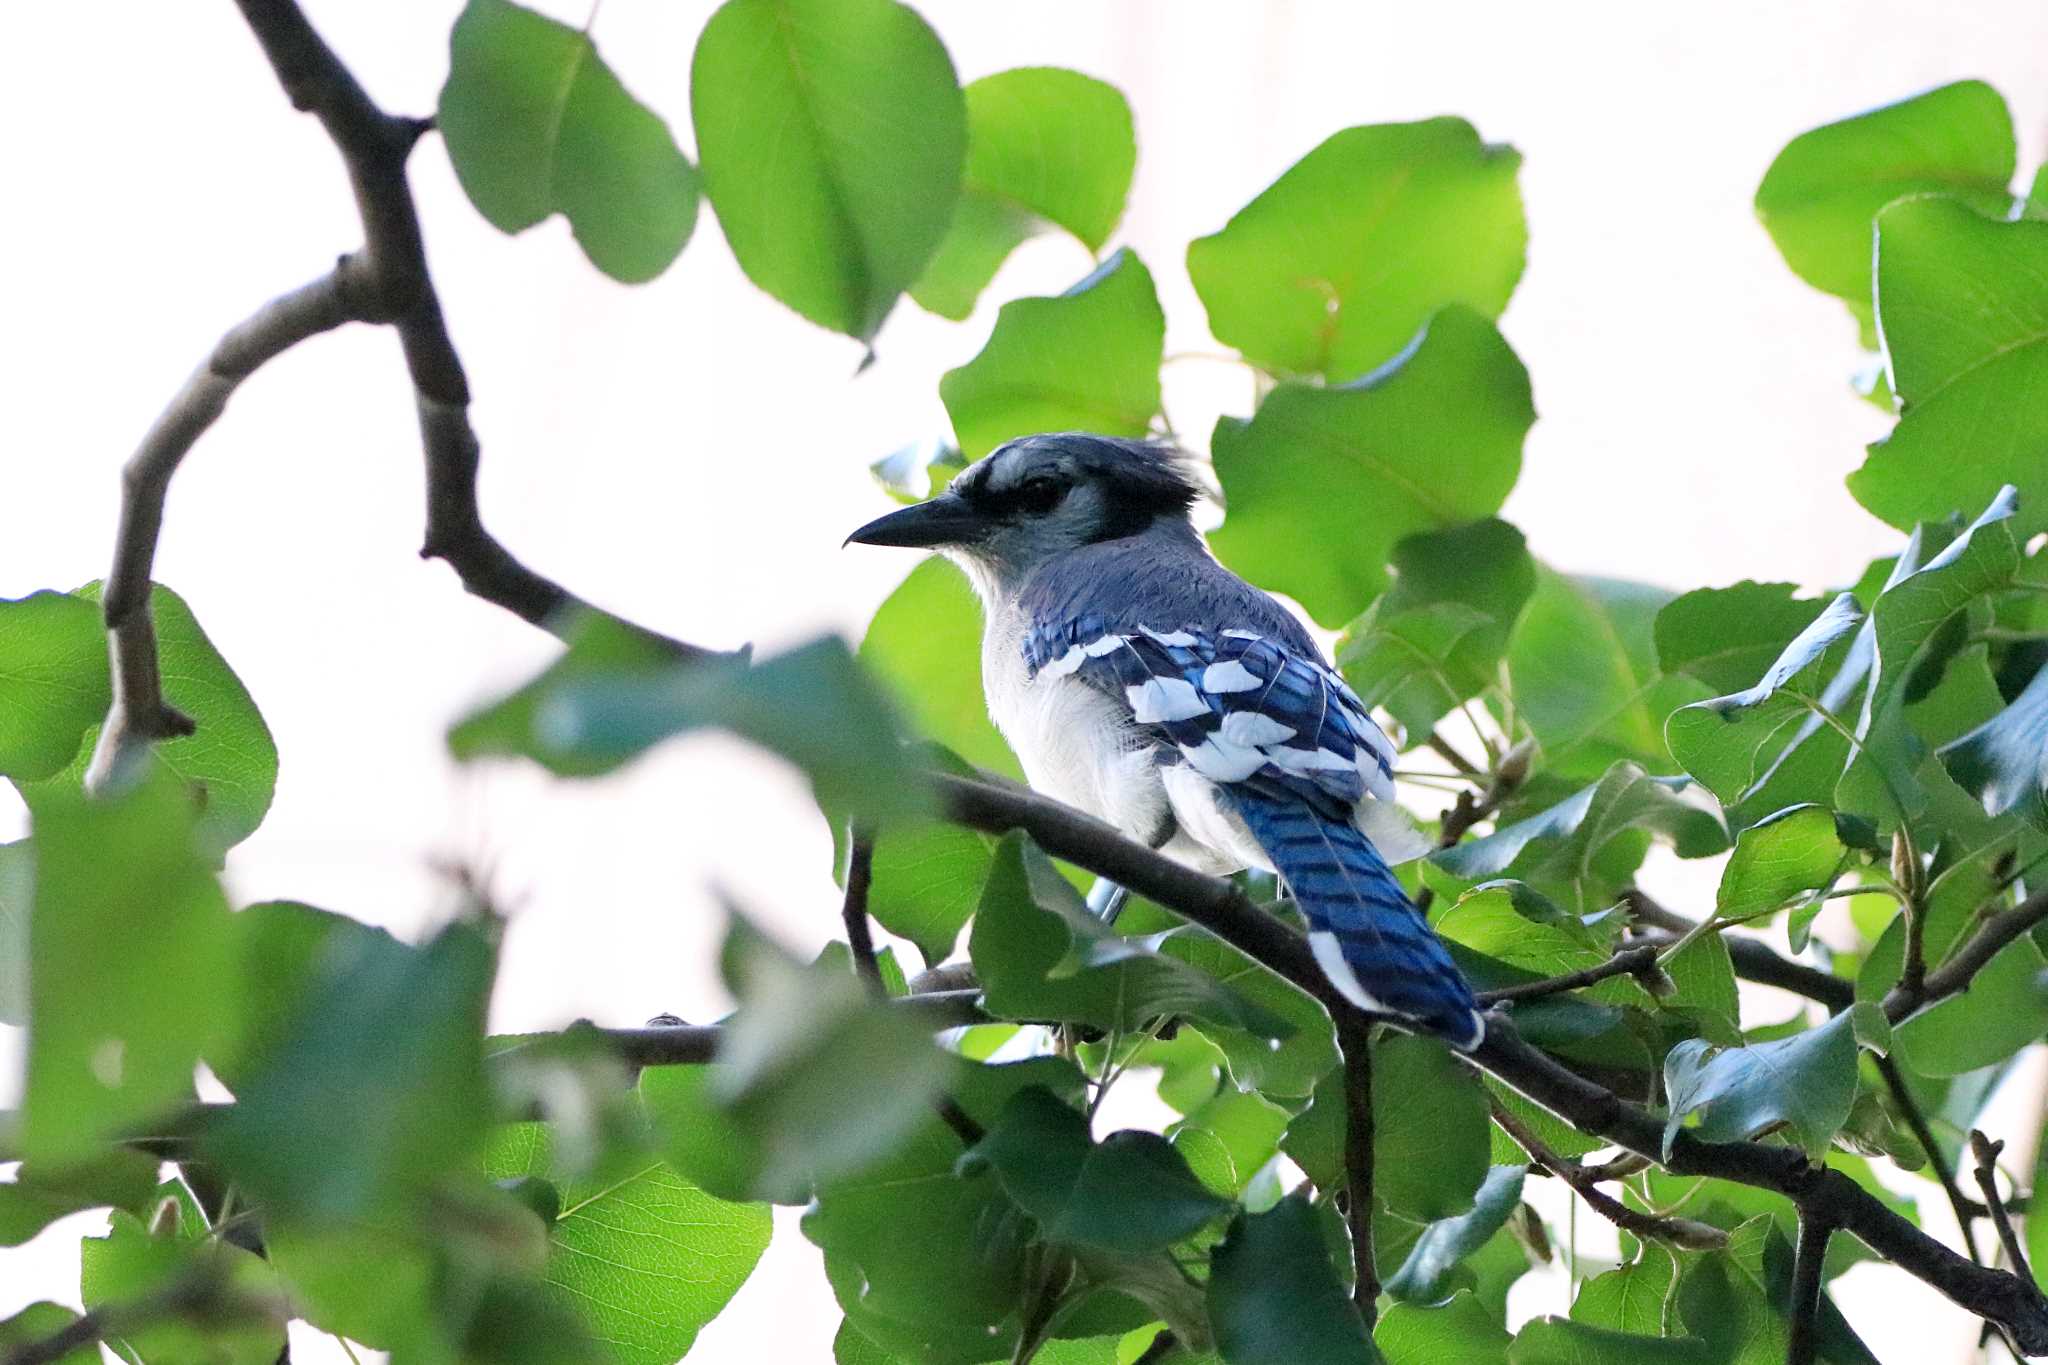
(1039, 496)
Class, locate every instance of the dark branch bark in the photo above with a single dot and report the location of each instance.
(1965, 1213)
(1358, 1167)
(1986, 1152)
(1639, 962)
(1219, 907)
(1808, 1260)
(860, 875)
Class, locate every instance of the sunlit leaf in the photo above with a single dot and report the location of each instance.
(53, 685)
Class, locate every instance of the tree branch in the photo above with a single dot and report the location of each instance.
(1355, 1041)
(1753, 960)
(1639, 962)
(1964, 962)
(1986, 1152)
(1895, 1081)
(1221, 908)
(1684, 1233)
(860, 875)
(1808, 1261)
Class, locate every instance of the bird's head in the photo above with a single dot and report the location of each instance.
(1040, 496)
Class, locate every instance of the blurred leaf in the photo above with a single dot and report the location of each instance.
(128, 943)
(536, 123)
(1807, 1081)
(598, 706)
(1085, 360)
(1962, 301)
(17, 897)
(1041, 955)
(54, 686)
(1448, 1241)
(1632, 1298)
(129, 1264)
(41, 1320)
(1229, 1138)
(1430, 1145)
(1333, 267)
(1781, 856)
(646, 1260)
(1438, 635)
(1560, 1341)
(1821, 194)
(1559, 846)
(925, 641)
(1275, 1299)
(1431, 440)
(115, 1177)
(1728, 742)
(372, 1283)
(831, 134)
(1729, 637)
(281, 950)
(231, 760)
(1045, 147)
(376, 1090)
(2003, 762)
(1131, 1192)
(928, 1263)
(1461, 1331)
(1586, 706)
(814, 1080)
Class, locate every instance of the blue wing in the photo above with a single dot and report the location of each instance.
(1292, 749)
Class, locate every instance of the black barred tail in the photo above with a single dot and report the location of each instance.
(1370, 939)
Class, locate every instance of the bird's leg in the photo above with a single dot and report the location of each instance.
(1106, 900)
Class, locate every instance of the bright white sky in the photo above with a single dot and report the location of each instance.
(691, 454)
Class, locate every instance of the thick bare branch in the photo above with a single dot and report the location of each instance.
(1219, 907)
(1808, 1261)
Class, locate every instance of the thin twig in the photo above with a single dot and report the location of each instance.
(1753, 960)
(1986, 1152)
(860, 875)
(1358, 1166)
(1639, 962)
(1895, 1081)
(1684, 1233)
(1445, 750)
(1809, 1259)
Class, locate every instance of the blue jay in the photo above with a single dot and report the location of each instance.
(1141, 681)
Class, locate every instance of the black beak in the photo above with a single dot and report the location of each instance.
(948, 519)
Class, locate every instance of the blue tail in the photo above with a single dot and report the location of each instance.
(1371, 940)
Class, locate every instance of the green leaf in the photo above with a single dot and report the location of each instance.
(1729, 742)
(792, 1100)
(1431, 440)
(1636, 1297)
(1332, 268)
(1460, 1332)
(1041, 955)
(1085, 360)
(1424, 1276)
(1283, 1068)
(128, 944)
(231, 759)
(1046, 147)
(1314, 1139)
(925, 642)
(1783, 855)
(129, 1264)
(281, 949)
(1560, 1341)
(17, 897)
(599, 705)
(927, 875)
(1560, 846)
(2003, 762)
(1583, 669)
(41, 1320)
(1728, 637)
(929, 1263)
(2005, 1008)
(1963, 304)
(1131, 1192)
(371, 1283)
(1229, 1138)
(1275, 1299)
(1704, 977)
(1438, 635)
(1430, 1146)
(1518, 937)
(646, 1259)
(53, 686)
(1824, 189)
(377, 1089)
(1807, 1082)
(536, 123)
(114, 1177)
(831, 135)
